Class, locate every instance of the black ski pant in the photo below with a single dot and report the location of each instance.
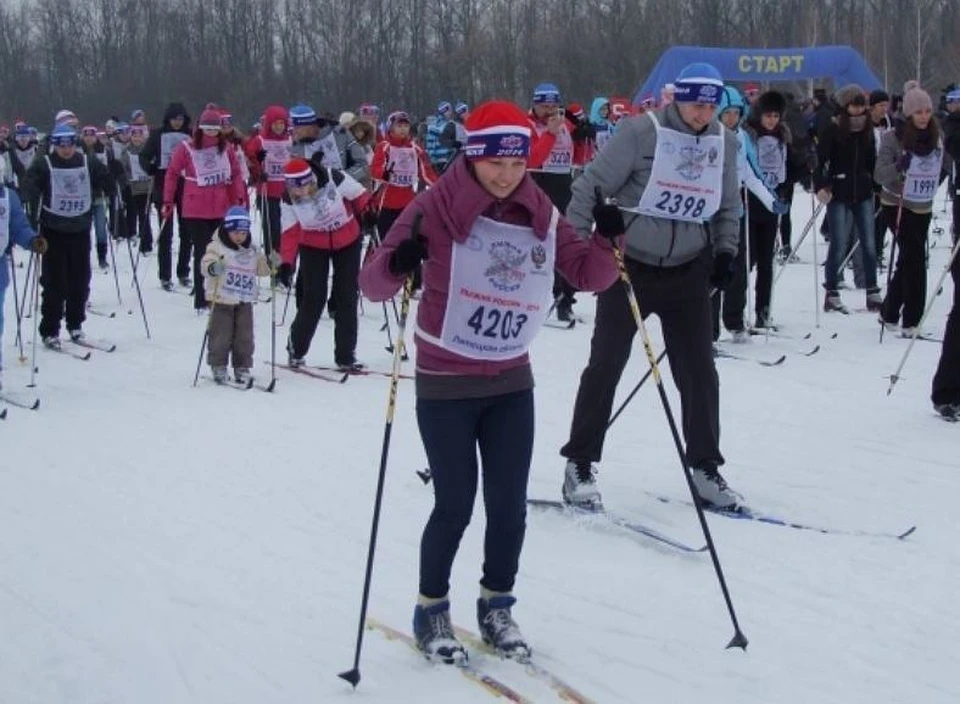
(270, 219)
(786, 222)
(907, 293)
(946, 381)
(763, 241)
(138, 220)
(165, 245)
(881, 223)
(680, 297)
(311, 293)
(65, 277)
(733, 299)
(198, 233)
(501, 427)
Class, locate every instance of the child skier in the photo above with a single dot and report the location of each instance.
(230, 269)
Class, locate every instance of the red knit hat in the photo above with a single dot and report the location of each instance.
(209, 119)
(497, 129)
(297, 172)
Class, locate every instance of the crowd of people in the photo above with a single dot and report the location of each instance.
(480, 208)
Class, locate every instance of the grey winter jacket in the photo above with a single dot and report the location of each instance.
(352, 155)
(888, 176)
(622, 169)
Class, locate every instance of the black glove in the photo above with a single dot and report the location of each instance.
(387, 173)
(722, 271)
(261, 155)
(285, 274)
(608, 218)
(407, 256)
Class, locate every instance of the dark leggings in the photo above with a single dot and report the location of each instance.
(452, 431)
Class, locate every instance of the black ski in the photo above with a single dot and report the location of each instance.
(721, 353)
(101, 313)
(615, 520)
(747, 514)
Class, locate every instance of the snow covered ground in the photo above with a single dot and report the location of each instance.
(163, 544)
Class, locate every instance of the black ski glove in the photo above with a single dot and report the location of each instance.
(407, 256)
(285, 274)
(608, 218)
(722, 271)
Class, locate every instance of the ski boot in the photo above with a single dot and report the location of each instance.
(499, 630)
(833, 303)
(874, 300)
(580, 485)
(740, 337)
(948, 411)
(713, 490)
(293, 360)
(219, 374)
(52, 342)
(351, 365)
(433, 631)
(243, 376)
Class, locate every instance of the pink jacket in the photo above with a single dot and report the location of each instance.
(207, 203)
(449, 211)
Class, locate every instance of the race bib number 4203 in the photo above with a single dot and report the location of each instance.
(497, 324)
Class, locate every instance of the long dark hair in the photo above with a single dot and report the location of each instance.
(918, 141)
(198, 140)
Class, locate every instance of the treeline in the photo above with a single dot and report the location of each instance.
(101, 57)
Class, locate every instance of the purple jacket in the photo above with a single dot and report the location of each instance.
(449, 211)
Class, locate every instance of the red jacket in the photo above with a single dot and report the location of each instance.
(542, 141)
(351, 197)
(274, 185)
(226, 186)
(394, 195)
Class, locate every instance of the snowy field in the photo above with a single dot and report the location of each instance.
(162, 544)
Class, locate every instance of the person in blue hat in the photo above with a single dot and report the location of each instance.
(59, 189)
(673, 171)
(230, 267)
(327, 142)
(23, 148)
(441, 137)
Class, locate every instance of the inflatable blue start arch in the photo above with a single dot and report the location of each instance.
(841, 63)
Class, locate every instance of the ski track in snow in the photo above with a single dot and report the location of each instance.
(165, 544)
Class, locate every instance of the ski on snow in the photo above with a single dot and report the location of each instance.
(747, 514)
(529, 665)
(93, 343)
(313, 373)
(359, 372)
(614, 520)
(489, 683)
(76, 354)
(30, 403)
(231, 383)
(721, 353)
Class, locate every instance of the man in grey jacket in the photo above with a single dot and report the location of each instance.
(327, 143)
(674, 173)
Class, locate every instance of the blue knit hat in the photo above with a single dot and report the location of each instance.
(546, 93)
(22, 130)
(698, 83)
(302, 115)
(63, 136)
(237, 218)
(953, 96)
(462, 108)
(444, 106)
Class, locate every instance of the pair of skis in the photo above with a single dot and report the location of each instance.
(477, 674)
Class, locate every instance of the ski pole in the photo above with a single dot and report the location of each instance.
(634, 392)
(26, 285)
(895, 377)
(206, 331)
(803, 235)
(816, 264)
(893, 249)
(273, 327)
(739, 640)
(746, 230)
(113, 258)
(36, 321)
(16, 305)
(353, 675)
(136, 282)
(846, 259)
